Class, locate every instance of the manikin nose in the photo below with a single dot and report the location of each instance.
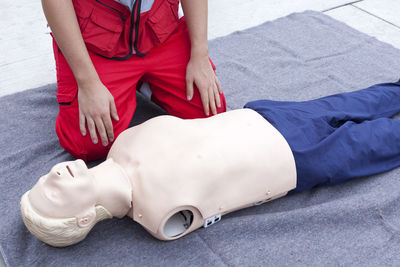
(68, 169)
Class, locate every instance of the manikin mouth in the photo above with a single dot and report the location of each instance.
(70, 171)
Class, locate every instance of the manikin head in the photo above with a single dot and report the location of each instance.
(65, 204)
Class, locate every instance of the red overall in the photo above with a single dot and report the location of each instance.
(127, 49)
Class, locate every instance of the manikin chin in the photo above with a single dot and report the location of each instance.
(170, 175)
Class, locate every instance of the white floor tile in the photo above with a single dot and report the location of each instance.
(388, 10)
(26, 59)
(368, 24)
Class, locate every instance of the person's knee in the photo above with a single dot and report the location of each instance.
(84, 148)
(79, 146)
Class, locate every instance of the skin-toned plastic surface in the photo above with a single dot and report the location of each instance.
(70, 189)
(200, 169)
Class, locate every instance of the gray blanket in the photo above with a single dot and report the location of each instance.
(301, 56)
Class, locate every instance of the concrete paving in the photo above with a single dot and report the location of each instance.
(368, 24)
(26, 60)
(387, 10)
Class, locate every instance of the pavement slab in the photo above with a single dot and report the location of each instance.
(387, 10)
(368, 24)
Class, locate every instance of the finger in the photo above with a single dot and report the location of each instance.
(189, 89)
(113, 110)
(212, 101)
(217, 96)
(218, 84)
(205, 101)
(102, 131)
(109, 127)
(92, 129)
(82, 126)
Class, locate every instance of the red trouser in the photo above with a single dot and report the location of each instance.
(164, 68)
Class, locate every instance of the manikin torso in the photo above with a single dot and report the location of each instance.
(201, 169)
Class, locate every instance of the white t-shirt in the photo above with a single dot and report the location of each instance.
(146, 4)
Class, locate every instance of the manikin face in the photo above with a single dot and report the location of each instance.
(67, 191)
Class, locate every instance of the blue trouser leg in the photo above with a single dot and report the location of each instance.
(339, 137)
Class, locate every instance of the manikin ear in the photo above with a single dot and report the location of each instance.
(87, 218)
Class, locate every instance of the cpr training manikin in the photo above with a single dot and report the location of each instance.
(170, 175)
(173, 176)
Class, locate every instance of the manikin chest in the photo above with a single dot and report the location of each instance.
(188, 173)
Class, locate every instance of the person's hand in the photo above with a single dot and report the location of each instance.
(200, 72)
(96, 108)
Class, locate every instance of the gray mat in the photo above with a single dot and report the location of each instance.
(298, 57)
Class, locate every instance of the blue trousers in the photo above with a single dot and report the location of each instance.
(339, 137)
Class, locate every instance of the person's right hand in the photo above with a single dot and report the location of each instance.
(96, 108)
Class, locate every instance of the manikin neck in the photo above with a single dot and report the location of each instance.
(113, 188)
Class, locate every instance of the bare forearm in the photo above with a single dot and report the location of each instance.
(196, 14)
(199, 71)
(61, 17)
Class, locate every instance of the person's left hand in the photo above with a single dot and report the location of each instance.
(200, 72)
